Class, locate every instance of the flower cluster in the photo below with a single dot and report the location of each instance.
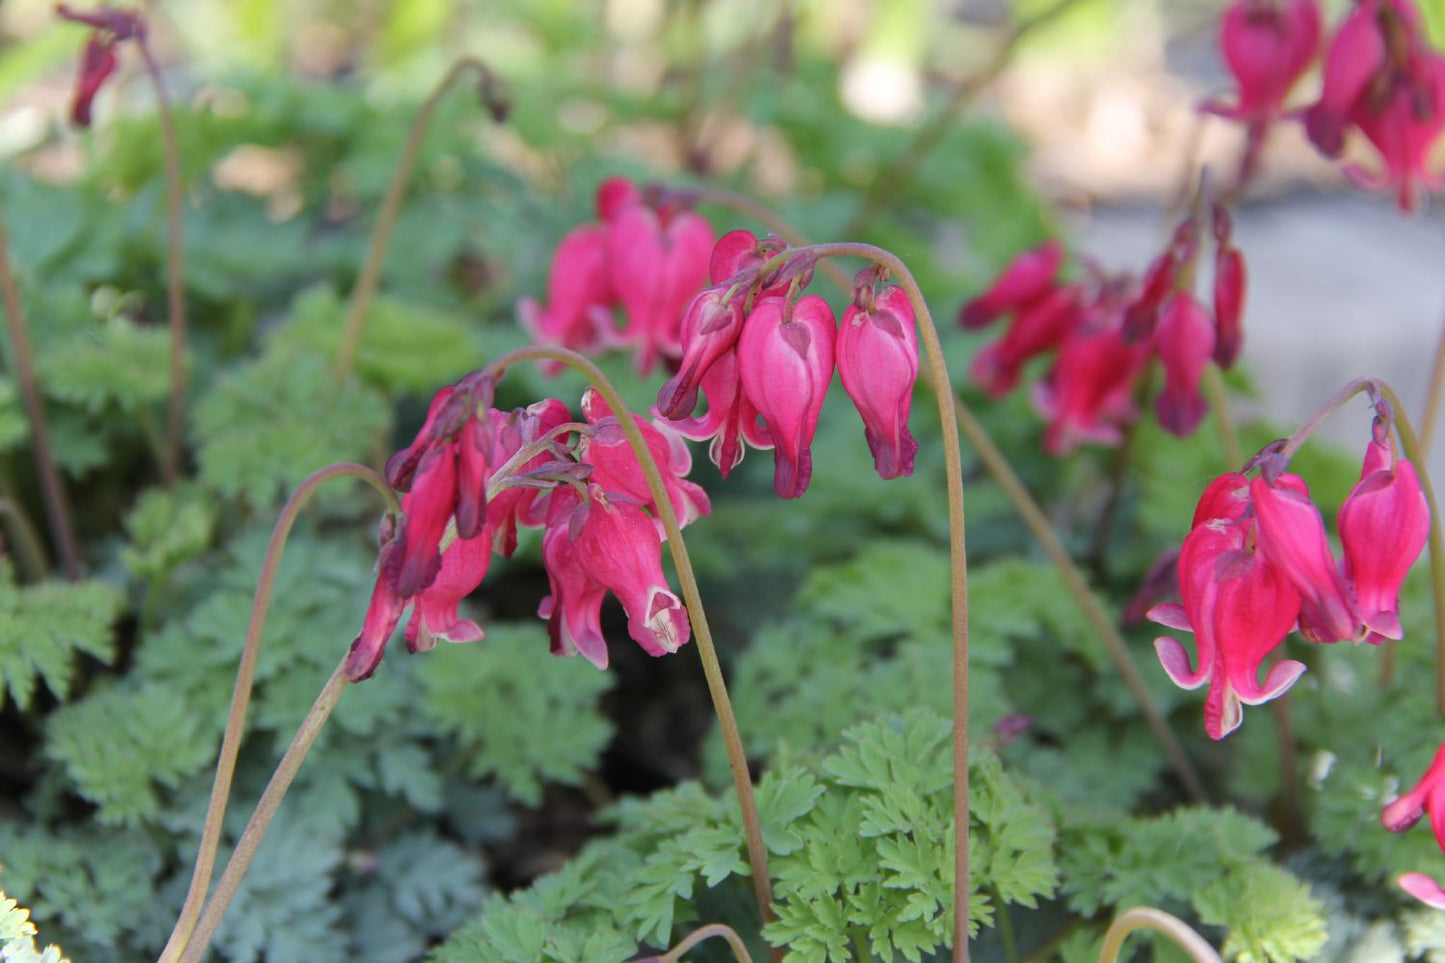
(757, 350)
(1427, 796)
(646, 257)
(1257, 563)
(473, 474)
(1381, 77)
(1103, 331)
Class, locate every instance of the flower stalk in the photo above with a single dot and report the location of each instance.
(707, 652)
(241, 694)
(1170, 927)
(370, 276)
(57, 508)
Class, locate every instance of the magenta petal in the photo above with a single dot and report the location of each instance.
(1424, 889)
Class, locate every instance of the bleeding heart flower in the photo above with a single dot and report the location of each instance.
(1383, 524)
(1027, 277)
(877, 355)
(1184, 341)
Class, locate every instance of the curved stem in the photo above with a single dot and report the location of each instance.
(1432, 395)
(958, 561)
(740, 951)
(1171, 927)
(712, 669)
(1413, 450)
(175, 272)
(22, 533)
(1213, 385)
(266, 808)
(241, 695)
(370, 275)
(57, 509)
(1034, 518)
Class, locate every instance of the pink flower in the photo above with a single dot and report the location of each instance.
(578, 312)
(1239, 608)
(1423, 888)
(1356, 54)
(1292, 538)
(1027, 277)
(1184, 340)
(877, 353)
(1040, 325)
(1427, 796)
(434, 615)
(710, 329)
(731, 418)
(98, 61)
(1267, 44)
(1383, 524)
(785, 360)
(1404, 129)
(616, 470)
(655, 265)
(574, 609)
(1088, 395)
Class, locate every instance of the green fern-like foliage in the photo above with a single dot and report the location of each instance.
(13, 427)
(120, 364)
(267, 425)
(167, 528)
(44, 627)
(1270, 916)
(17, 936)
(404, 347)
(519, 715)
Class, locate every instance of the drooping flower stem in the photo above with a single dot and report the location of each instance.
(1213, 384)
(1432, 395)
(1170, 927)
(175, 269)
(57, 509)
(370, 276)
(719, 930)
(712, 669)
(958, 558)
(1291, 822)
(1413, 449)
(241, 694)
(1038, 524)
(266, 808)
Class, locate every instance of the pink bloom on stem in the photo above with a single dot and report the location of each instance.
(1267, 45)
(710, 329)
(434, 615)
(382, 613)
(1239, 608)
(1383, 524)
(574, 609)
(1027, 277)
(877, 354)
(1039, 326)
(578, 312)
(616, 470)
(1089, 393)
(655, 267)
(1292, 537)
(428, 507)
(97, 62)
(730, 420)
(737, 252)
(1229, 284)
(1356, 55)
(1427, 796)
(523, 504)
(1404, 129)
(1184, 341)
(786, 365)
(1226, 498)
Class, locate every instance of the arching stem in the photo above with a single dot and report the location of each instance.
(712, 669)
(1433, 392)
(1170, 927)
(241, 694)
(718, 930)
(57, 509)
(27, 543)
(175, 269)
(958, 559)
(370, 276)
(266, 808)
(1413, 450)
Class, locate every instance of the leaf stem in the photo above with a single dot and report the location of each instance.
(1171, 927)
(958, 559)
(241, 694)
(712, 669)
(370, 276)
(57, 509)
(261, 818)
(175, 269)
(1432, 395)
(721, 930)
(1213, 384)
